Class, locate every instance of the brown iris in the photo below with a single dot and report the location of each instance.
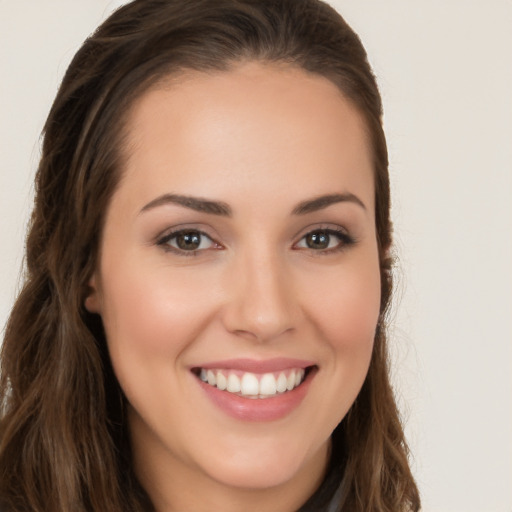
(188, 240)
(318, 240)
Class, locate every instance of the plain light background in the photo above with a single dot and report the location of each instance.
(445, 72)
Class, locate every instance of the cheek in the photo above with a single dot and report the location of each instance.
(152, 313)
(151, 316)
(346, 306)
(344, 310)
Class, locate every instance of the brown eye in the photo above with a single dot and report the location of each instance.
(318, 240)
(326, 240)
(187, 241)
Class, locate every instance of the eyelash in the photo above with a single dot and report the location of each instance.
(344, 241)
(164, 242)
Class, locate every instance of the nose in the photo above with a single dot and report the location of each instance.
(262, 304)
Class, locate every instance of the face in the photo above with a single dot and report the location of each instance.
(238, 280)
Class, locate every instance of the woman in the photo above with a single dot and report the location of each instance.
(208, 272)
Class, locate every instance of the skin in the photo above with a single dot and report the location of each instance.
(262, 139)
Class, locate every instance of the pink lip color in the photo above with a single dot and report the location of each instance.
(258, 409)
(255, 366)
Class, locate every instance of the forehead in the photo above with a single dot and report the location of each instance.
(206, 130)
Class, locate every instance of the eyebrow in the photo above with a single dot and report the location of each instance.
(321, 202)
(220, 208)
(194, 203)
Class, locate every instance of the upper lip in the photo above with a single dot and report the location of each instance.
(257, 365)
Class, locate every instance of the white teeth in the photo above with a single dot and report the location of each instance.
(251, 385)
(290, 381)
(211, 378)
(268, 384)
(222, 382)
(233, 383)
(281, 383)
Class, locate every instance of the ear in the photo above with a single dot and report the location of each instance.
(92, 301)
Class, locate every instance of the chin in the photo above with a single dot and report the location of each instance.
(265, 468)
(255, 477)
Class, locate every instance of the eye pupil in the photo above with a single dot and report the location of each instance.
(318, 240)
(188, 241)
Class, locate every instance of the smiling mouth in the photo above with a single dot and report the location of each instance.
(253, 385)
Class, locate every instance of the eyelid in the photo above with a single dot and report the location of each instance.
(179, 228)
(320, 226)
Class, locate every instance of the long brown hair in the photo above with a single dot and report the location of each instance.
(63, 438)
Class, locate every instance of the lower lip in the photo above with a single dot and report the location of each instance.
(258, 409)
